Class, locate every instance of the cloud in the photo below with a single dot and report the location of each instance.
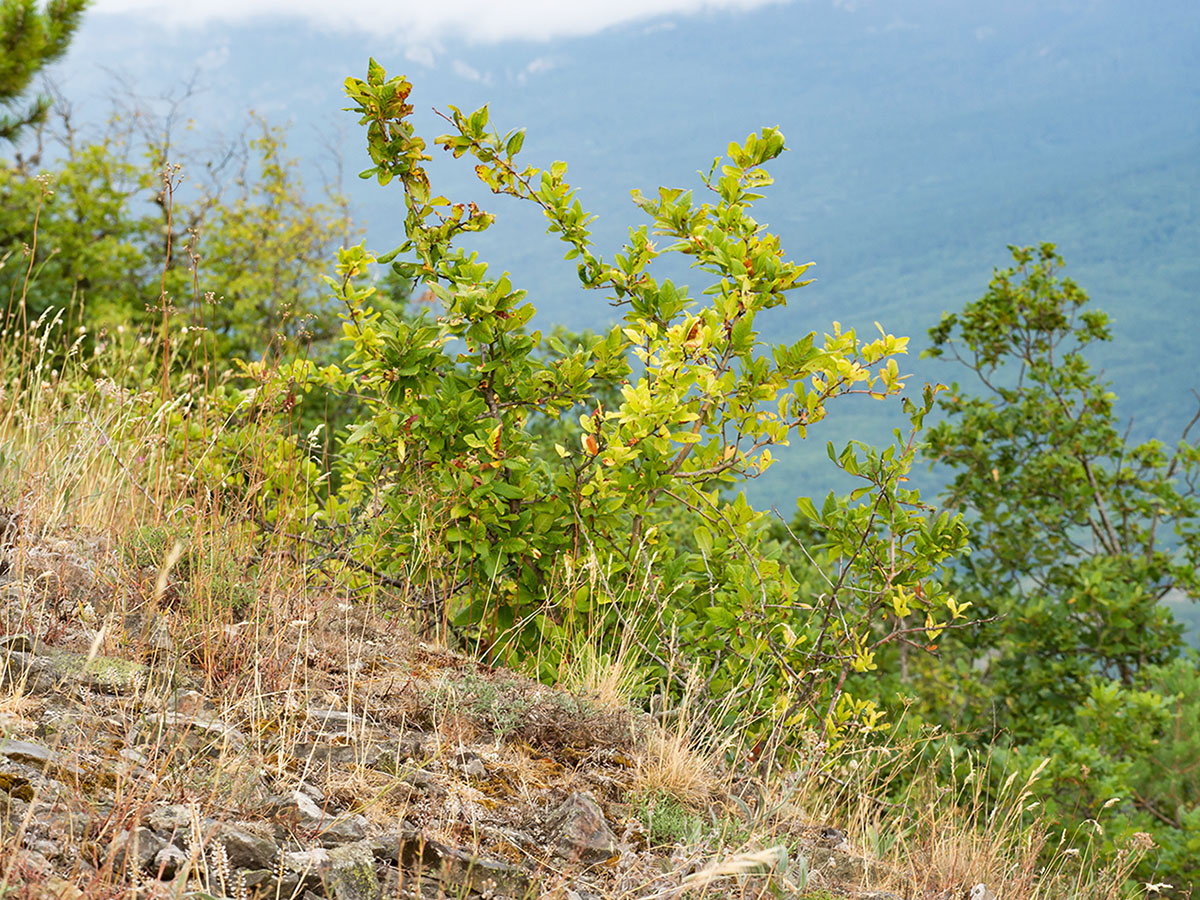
(420, 54)
(419, 21)
(469, 73)
(894, 25)
(539, 66)
(214, 58)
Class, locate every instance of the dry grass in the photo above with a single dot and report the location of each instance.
(299, 647)
(178, 561)
(610, 680)
(678, 761)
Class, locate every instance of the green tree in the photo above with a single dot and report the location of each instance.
(262, 253)
(1077, 534)
(113, 245)
(1071, 523)
(30, 39)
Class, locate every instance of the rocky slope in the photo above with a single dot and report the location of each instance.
(346, 760)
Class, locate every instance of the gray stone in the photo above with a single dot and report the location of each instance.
(333, 721)
(26, 751)
(32, 860)
(351, 873)
(19, 643)
(136, 849)
(172, 822)
(394, 757)
(247, 850)
(295, 810)
(306, 860)
(169, 861)
(471, 765)
(52, 764)
(841, 867)
(48, 849)
(271, 884)
(51, 669)
(260, 883)
(580, 832)
(158, 646)
(312, 791)
(333, 754)
(193, 734)
(303, 870)
(344, 830)
(456, 869)
(54, 888)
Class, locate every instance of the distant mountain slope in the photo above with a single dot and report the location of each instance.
(925, 137)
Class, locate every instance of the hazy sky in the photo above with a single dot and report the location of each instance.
(483, 21)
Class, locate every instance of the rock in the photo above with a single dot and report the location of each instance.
(336, 754)
(247, 850)
(317, 795)
(193, 734)
(48, 849)
(386, 755)
(26, 751)
(393, 756)
(351, 873)
(343, 830)
(134, 851)
(168, 862)
(471, 764)
(171, 822)
(333, 721)
(16, 785)
(34, 863)
(13, 813)
(270, 884)
(460, 872)
(54, 888)
(833, 838)
(302, 871)
(580, 832)
(52, 764)
(20, 643)
(50, 670)
(158, 646)
(306, 860)
(187, 702)
(981, 892)
(267, 884)
(840, 867)
(295, 810)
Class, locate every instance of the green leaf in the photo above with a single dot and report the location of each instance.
(807, 508)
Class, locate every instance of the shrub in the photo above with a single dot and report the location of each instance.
(628, 513)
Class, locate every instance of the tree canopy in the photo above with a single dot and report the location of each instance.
(29, 40)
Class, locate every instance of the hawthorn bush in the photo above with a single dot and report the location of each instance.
(467, 478)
